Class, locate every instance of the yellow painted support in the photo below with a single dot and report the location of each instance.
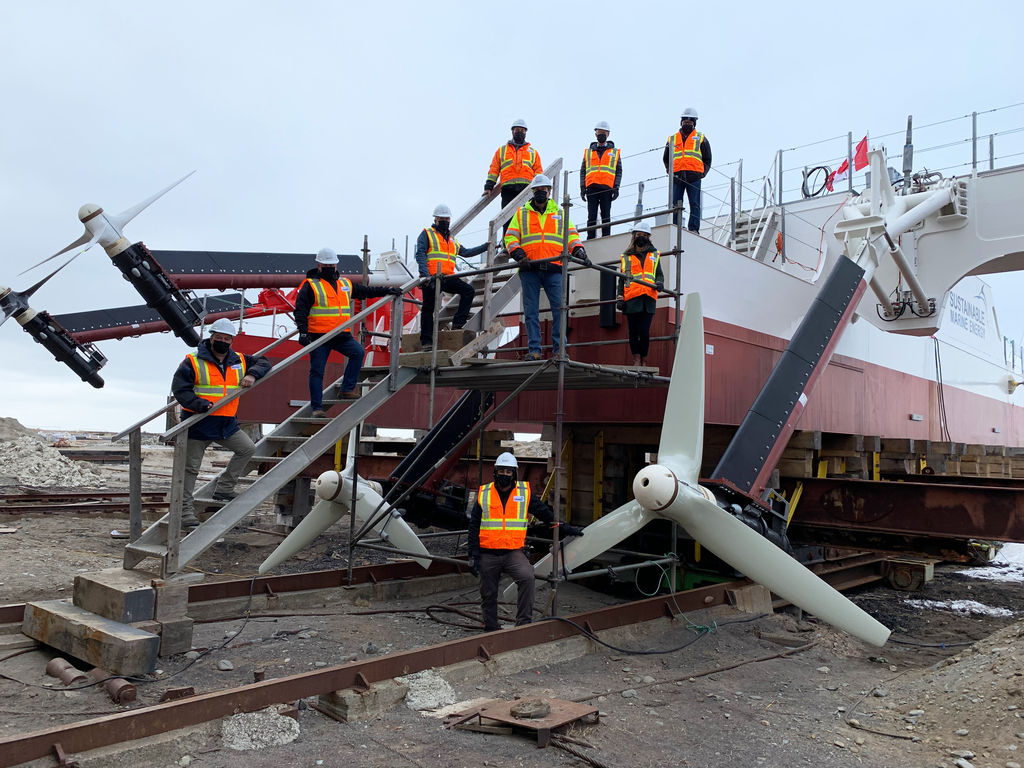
(797, 493)
(566, 462)
(696, 551)
(598, 474)
(876, 465)
(921, 464)
(339, 451)
(823, 468)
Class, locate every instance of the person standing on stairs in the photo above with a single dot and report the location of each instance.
(637, 301)
(323, 303)
(513, 166)
(436, 251)
(212, 372)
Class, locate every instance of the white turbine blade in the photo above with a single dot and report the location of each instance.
(86, 239)
(392, 525)
(323, 515)
(125, 216)
(597, 537)
(656, 487)
(682, 430)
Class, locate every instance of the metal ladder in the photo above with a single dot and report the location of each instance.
(298, 450)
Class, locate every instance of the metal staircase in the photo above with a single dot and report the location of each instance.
(289, 450)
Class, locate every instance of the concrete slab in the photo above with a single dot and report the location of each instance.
(116, 594)
(176, 636)
(350, 706)
(94, 639)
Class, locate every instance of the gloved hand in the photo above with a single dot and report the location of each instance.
(580, 253)
(518, 254)
(570, 530)
(394, 290)
(204, 406)
(304, 339)
(615, 193)
(474, 566)
(583, 193)
(659, 285)
(620, 304)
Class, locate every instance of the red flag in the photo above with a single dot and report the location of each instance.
(860, 157)
(838, 174)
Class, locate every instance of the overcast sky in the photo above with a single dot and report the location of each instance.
(314, 123)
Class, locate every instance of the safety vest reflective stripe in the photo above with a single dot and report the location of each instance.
(541, 236)
(212, 385)
(503, 527)
(514, 165)
(441, 252)
(601, 168)
(332, 304)
(686, 154)
(645, 271)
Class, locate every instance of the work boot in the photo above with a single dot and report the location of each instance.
(224, 495)
(319, 413)
(189, 520)
(426, 347)
(350, 395)
(636, 360)
(533, 356)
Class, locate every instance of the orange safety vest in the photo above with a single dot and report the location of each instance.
(601, 169)
(514, 165)
(441, 252)
(503, 527)
(645, 271)
(686, 154)
(332, 305)
(212, 385)
(540, 235)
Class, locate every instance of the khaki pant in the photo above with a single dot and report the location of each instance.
(243, 447)
(495, 562)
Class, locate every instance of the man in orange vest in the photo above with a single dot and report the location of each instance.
(687, 158)
(513, 166)
(323, 303)
(212, 372)
(497, 534)
(436, 251)
(535, 233)
(600, 176)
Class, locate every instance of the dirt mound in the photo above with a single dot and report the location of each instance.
(25, 461)
(11, 429)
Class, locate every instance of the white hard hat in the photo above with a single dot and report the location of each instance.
(506, 460)
(641, 226)
(603, 126)
(689, 112)
(224, 326)
(327, 256)
(520, 123)
(442, 211)
(540, 180)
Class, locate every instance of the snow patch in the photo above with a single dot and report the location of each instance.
(1008, 565)
(963, 607)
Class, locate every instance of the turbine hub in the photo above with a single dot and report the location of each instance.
(655, 487)
(89, 211)
(329, 485)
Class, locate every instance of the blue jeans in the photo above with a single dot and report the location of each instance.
(531, 282)
(344, 344)
(692, 191)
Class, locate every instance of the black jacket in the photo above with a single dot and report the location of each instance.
(537, 508)
(640, 303)
(182, 387)
(305, 300)
(705, 155)
(583, 168)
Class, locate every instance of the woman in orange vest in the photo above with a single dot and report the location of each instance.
(497, 534)
(213, 371)
(636, 300)
(687, 159)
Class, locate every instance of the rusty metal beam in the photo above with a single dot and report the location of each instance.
(160, 718)
(917, 509)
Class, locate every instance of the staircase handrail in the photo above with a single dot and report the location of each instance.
(195, 418)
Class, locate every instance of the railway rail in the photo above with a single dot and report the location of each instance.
(359, 675)
(77, 502)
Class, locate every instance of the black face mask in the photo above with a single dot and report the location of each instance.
(220, 347)
(540, 199)
(519, 137)
(602, 138)
(328, 273)
(643, 242)
(503, 482)
(687, 127)
(442, 227)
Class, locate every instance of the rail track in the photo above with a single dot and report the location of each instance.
(77, 502)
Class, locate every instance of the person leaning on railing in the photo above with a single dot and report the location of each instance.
(215, 371)
(323, 303)
(538, 232)
(436, 251)
(637, 301)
